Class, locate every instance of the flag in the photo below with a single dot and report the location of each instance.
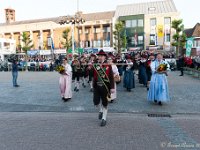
(52, 44)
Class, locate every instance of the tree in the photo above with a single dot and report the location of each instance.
(179, 37)
(120, 38)
(27, 42)
(68, 39)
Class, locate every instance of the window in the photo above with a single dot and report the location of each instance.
(167, 20)
(106, 29)
(140, 23)
(140, 39)
(128, 23)
(134, 23)
(86, 31)
(153, 22)
(167, 36)
(97, 30)
(152, 39)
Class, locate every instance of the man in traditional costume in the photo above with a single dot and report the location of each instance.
(158, 90)
(103, 84)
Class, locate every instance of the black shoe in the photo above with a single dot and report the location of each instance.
(75, 88)
(111, 101)
(65, 99)
(147, 88)
(181, 75)
(100, 115)
(159, 103)
(83, 85)
(103, 123)
(16, 85)
(155, 101)
(91, 90)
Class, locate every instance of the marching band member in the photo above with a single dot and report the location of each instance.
(103, 84)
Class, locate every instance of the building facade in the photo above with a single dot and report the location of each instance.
(150, 23)
(95, 32)
(147, 26)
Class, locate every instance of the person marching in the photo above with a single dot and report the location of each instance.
(90, 70)
(129, 79)
(103, 84)
(116, 77)
(76, 69)
(158, 90)
(84, 67)
(142, 70)
(148, 69)
(65, 81)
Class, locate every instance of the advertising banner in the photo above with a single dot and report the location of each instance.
(189, 45)
(160, 31)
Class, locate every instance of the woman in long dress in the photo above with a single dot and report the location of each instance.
(129, 79)
(158, 90)
(115, 73)
(65, 81)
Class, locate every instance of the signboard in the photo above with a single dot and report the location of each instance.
(60, 51)
(32, 52)
(160, 31)
(189, 45)
(45, 52)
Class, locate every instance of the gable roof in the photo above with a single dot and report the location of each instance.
(156, 7)
(195, 31)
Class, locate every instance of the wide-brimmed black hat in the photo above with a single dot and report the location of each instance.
(101, 52)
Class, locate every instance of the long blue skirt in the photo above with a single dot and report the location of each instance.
(129, 79)
(158, 89)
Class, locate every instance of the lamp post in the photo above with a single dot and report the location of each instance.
(73, 20)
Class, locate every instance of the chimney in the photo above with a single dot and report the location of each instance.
(10, 15)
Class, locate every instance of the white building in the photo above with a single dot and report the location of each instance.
(7, 47)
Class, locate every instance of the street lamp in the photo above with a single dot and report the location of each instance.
(73, 20)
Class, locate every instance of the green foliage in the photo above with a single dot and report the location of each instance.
(179, 37)
(120, 36)
(68, 40)
(27, 42)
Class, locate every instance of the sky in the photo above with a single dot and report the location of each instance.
(35, 9)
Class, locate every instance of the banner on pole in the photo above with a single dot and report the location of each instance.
(189, 45)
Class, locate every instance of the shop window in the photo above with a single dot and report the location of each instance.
(140, 39)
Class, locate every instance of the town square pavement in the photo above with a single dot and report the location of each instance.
(33, 117)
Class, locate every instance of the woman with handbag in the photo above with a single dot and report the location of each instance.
(116, 78)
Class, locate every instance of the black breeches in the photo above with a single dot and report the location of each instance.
(100, 94)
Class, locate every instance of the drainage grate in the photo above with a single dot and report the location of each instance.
(159, 115)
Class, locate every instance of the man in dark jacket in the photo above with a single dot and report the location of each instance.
(15, 73)
(103, 83)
